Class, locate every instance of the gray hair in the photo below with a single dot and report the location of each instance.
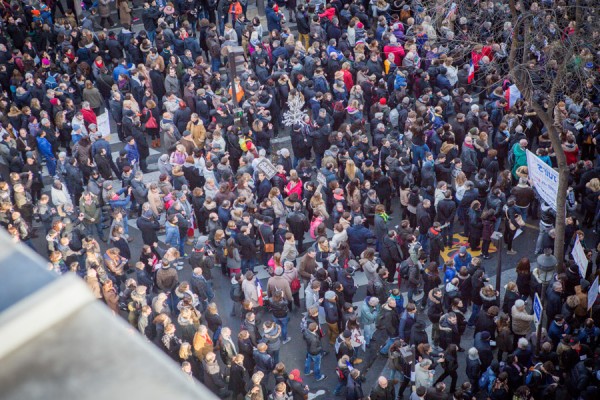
(473, 354)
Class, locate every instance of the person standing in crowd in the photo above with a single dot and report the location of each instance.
(381, 152)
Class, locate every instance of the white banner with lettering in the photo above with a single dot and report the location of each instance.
(543, 178)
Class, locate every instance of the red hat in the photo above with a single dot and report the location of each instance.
(54, 101)
(382, 101)
(359, 25)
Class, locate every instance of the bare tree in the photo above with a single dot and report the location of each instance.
(560, 75)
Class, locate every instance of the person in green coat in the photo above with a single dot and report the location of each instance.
(519, 155)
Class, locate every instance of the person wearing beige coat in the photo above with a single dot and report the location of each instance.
(124, 12)
(197, 129)
(155, 200)
(521, 319)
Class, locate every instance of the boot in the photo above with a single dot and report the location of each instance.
(155, 143)
(158, 143)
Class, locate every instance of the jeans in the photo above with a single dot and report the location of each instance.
(368, 332)
(447, 233)
(151, 35)
(339, 387)
(523, 212)
(51, 165)
(248, 265)
(424, 240)
(275, 355)
(419, 153)
(386, 347)
(316, 360)
(283, 322)
(215, 64)
(89, 231)
(411, 293)
(318, 159)
(222, 21)
(474, 312)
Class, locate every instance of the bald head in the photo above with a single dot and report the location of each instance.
(382, 381)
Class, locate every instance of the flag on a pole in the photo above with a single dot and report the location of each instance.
(471, 72)
(259, 291)
(512, 94)
(451, 11)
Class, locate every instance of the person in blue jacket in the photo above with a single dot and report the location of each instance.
(462, 258)
(358, 235)
(133, 155)
(273, 17)
(45, 149)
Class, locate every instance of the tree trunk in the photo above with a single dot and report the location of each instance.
(563, 183)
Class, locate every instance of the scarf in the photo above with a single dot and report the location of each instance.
(384, 216)
(470, 146)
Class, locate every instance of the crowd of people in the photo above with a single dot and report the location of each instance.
(392, 107)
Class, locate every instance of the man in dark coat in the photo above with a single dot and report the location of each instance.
(391, 254)
(298, 224)
(149, 227)
(383, 390)
(142, 144)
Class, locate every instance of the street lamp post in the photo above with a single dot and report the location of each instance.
(546, 266)
(497, 239)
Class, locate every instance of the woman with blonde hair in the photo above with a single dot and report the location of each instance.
(318, 204)
(202, 343)
(351, 172)
(277, 204)
(238, 376)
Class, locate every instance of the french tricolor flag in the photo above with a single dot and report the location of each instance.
(259, 291)
(512, 94)
(471, 72)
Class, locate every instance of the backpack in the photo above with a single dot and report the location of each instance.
(405, 268)
(487, 380)
(51, 82)
(533, 375)
(304, 324)
(236, 293)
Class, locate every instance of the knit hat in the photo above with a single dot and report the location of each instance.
(519, 303)
(485, 335)
(147, 214)
(329, 295)
(201, 242)
(347, 334)
(278, 271)
(462, 250)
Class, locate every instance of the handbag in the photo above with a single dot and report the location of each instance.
(269, 247)
(295, 285)
(151, 123)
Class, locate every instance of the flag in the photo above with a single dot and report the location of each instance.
(512, 94)
(471, 72)
(259, 292)
(451, 11)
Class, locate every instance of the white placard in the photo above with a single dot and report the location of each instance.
(592, 293)
(578, 254)
(103, 123)
(543, 178)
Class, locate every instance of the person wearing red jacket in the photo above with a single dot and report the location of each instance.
(396, 49)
